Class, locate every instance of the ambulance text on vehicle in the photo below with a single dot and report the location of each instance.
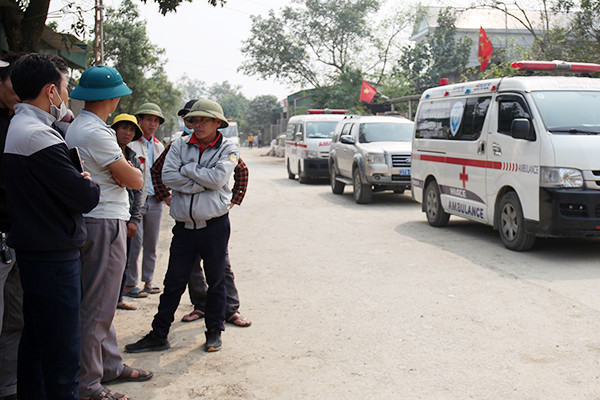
(307, 142)
(521, 154)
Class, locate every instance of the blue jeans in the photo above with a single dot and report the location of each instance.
(50, 348)
(210, 244)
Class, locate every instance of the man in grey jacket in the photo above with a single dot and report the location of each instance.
(197, 169)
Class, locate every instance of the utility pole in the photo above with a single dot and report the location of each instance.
(99, 33)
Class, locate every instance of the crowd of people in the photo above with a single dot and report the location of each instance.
(79, 202)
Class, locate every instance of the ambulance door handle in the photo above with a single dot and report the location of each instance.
(497, 149)
(481, 148)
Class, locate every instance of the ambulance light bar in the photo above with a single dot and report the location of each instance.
(325, 111)
(555, 65)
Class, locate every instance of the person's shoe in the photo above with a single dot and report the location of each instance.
(213, 340)
(150, 342)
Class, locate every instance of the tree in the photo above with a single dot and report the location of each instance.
(191, 88)
(129, 50)
(24, 20)
(24, 23)
(260, 114)
(311, 42)
(423, 64)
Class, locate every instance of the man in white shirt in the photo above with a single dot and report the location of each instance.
(103, 255)
(148, 148)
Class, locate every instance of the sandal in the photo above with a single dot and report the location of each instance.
(151, 288)
(127, 375)
(135, 293)
(193, 316)
(121, 305)
(106, 394)
(238, 319)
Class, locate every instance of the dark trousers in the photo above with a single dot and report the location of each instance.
(210, 244)
(11, 304)
(197, 289)
(50, 348)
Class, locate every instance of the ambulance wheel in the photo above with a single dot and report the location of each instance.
(301, 177)
(511, 224)
(337, 187)
(436, 216)
(290, 175)
(362, 192)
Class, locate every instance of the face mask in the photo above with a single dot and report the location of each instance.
(187, 131)
(56, 112)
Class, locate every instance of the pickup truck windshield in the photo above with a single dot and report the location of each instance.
(385, 132)
(569, 113)
(320, 129)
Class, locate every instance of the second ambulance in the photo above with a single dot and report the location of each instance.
(521, 154)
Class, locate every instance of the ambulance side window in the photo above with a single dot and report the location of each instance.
(509, 108)
(475, 112)
(452, 119)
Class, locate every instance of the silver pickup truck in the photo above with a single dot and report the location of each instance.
(371, 153)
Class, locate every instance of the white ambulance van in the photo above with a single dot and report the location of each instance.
(307, 142)
(521, 154)
(231, 132)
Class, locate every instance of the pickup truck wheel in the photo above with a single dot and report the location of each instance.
(436, 216)
(511, 224)
(337, 187)
(362, 192)
(290, 175)
(301, 177)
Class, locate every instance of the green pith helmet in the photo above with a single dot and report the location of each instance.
(100, 83)
(150, 109)
(207, 108)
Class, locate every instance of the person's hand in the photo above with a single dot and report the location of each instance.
(231, 205)
(86, 175)
(131, 229)
(167, 200)
(117, 180)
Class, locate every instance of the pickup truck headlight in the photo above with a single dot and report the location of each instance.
(375, 158)
(312, 154)
(561, 177)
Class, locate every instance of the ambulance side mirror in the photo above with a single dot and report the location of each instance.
(346, 139)
(298, 136)
(521, 129)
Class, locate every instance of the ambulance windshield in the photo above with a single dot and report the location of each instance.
(230, 131)
(320, 129)
(576, 112)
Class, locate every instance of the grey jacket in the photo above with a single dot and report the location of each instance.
(199, 180)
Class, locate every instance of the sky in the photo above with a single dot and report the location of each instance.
(204, 42)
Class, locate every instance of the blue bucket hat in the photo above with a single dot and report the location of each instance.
(100, 83)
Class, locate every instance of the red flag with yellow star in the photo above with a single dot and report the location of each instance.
(484, 54)
(367, 92)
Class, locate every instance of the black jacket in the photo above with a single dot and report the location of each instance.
(46, 194)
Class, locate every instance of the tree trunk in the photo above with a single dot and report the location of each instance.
(24, 29)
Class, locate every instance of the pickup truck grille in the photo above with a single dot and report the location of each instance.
(400, 160)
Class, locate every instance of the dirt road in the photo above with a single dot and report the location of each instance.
(368, 301)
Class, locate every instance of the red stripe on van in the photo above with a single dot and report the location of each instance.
(460, 161)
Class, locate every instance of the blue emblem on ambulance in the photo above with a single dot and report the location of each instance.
(456, 115)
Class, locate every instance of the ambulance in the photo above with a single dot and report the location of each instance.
(307, 142)
(521, 154)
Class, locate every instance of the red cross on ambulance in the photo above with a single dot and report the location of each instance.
(464, 177)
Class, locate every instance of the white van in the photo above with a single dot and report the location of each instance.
(521, 154)
(231, 132)
(307, 142)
